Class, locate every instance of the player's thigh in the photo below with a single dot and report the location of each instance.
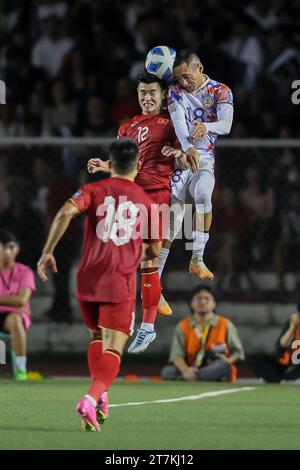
(179, 184)
(177, 211)
(90, 312)
(12, 322)
(117, 323)
(201, 187)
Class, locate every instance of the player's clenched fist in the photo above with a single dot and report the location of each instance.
(47, 260)
(199, 131)
(96, 164)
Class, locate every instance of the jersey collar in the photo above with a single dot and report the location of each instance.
(203, 84)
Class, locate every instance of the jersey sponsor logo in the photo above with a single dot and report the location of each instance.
(162, 121)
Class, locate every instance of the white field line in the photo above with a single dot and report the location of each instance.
(186, 398)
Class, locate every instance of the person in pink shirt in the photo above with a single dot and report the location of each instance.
(17, 283)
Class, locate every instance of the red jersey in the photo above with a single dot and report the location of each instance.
(152, 133)
(112, 249)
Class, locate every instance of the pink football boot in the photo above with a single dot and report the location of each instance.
(102, 408)
(88, 415)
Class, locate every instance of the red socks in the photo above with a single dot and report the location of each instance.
(104, 368)
(151, 291)
(95, 353)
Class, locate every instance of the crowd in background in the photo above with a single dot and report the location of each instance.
(70, 66)
(70, 69)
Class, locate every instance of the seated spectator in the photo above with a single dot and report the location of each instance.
(125, 105)
(281, 367)
(288, 246)
(288, 352)
(245, 48)
(4, 192)
(259, 198)
(264, 15)
(205, 345)
(9, 126)
(19, 218)
(283, 67)
(49, 52)
(62, 112)
(232, 239)
(17, 284)
(55, 188)
(51, 7)
(94, 117)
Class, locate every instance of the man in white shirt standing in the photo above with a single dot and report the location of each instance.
(201, 109)
(49, 52)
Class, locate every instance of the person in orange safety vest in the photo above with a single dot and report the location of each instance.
(205, 345)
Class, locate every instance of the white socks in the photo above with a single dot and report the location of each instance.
(164, 253)
(21, 363)
(199, 241)
(147, 326)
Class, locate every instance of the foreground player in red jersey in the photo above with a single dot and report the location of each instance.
(152, 130)
(117, 211)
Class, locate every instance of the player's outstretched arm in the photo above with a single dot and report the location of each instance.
(96, 164)
(59, 225)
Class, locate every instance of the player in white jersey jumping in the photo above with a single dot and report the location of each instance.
(201, 109)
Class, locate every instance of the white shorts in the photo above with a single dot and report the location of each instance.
(199, 186)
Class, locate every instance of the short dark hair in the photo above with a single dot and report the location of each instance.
(7, 237)
(148, 78)
(185, 56)
(202, 288)
(123, 154)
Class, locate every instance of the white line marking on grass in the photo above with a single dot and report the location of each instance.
(186, 398)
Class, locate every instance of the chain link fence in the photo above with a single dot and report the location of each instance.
(254, 246)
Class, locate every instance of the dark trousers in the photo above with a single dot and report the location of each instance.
(217, 371)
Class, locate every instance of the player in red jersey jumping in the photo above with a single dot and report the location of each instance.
(117, 212)
(152, 130)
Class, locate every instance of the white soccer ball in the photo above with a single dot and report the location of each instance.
(160, 61)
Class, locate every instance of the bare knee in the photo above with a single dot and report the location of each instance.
(14, 322)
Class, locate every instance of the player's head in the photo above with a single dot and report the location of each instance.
(123, 155)
(188, 70)
(151, 93)
(9, 248)
(203, 300)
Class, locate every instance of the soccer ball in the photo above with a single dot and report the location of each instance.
(160, 61)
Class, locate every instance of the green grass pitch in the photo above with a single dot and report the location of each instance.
(40, 415)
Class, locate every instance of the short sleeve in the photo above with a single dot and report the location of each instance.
(122, 130)
(82, 198)
(234, 342)
(27, 279)
(178, 345)
(224, 95)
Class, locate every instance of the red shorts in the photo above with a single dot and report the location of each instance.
(119, 317)
(161, 196)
